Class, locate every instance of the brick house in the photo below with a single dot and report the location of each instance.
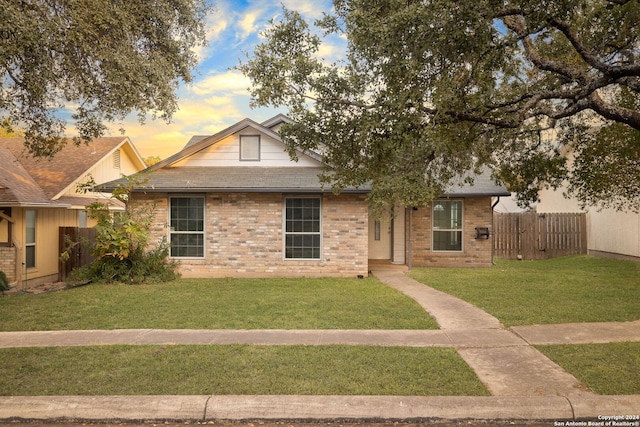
(235, 204)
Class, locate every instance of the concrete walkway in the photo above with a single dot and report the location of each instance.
(524, 384)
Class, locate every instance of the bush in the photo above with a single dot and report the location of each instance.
(4, 282)
(152, 266)
(122, 249)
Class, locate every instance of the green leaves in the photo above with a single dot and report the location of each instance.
(102, 59)
(431, 90)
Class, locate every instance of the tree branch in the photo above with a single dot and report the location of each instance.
(614, 112)
(589, 58)
(517, 25)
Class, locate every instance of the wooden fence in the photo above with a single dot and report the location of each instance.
(80, 254)
(530, 235)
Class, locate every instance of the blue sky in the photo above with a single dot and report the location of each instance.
(218, 96)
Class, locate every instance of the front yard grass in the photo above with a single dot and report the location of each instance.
(219, 304)
(236, 369)
(562, 290)
(606, 368)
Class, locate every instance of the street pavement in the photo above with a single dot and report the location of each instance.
(524, 384)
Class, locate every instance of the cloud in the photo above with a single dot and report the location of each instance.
(219, 97)
(248, 24)
(227, 82)
(309, 9)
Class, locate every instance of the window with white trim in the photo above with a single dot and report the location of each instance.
(447, 225)
(186, 219)
(250, 147)
(302, 234)
(30, 238)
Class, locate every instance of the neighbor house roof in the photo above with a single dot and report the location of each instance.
(26, 180)
(17, 187)
(56, 174)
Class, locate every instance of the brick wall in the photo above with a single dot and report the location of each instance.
(8, 262)
(475, 253)
(244, 236)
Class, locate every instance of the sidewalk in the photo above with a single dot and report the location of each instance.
(525, 385)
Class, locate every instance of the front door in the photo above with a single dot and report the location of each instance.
(380, 237)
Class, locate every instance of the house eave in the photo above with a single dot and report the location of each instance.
(247, 190)
(34, 205)
(465, 195)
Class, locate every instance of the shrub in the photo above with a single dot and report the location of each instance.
(4, 282)
(122, 248)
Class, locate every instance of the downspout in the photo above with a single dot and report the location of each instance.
(492, 228)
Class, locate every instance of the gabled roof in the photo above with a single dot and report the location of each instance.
(199, 142)
(277, 120)
(193, 179)
(55, 175)
(270, 123)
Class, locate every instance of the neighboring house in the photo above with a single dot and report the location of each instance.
(39, 195)
(235, 204)
(610, 233)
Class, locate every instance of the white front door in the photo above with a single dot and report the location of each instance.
(380, 237)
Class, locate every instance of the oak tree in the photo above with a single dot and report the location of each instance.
(90, 62)
(541, 92)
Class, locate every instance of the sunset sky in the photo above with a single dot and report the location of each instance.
(218, 96)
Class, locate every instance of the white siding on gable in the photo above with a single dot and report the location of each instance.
(104, 171)
(226, 152)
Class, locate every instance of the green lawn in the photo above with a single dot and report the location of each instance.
(219, 304)
(561, 290)
(606, 368)
(236, 369)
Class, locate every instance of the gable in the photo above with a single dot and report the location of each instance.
(226, 152)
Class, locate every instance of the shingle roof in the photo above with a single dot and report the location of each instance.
(54, 175)
(235, 179)
(17, 187)
(483, 185)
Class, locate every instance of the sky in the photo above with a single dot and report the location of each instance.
(218, 96)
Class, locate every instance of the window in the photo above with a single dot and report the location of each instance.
(187, 227)
(82, 219)
(302, 228)
(447, 225)
(250, 147)
(30, 239)
(5, 226)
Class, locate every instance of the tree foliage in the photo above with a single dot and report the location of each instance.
(100, 59)
(122, 250)
(428, 90)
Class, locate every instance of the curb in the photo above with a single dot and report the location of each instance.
(233, 407)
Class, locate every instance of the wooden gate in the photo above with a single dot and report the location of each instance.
(530, 235)
(80, 254)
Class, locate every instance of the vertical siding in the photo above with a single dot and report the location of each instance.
(47, 222)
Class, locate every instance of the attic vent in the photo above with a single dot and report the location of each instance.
(116, 159)
(250, 147)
